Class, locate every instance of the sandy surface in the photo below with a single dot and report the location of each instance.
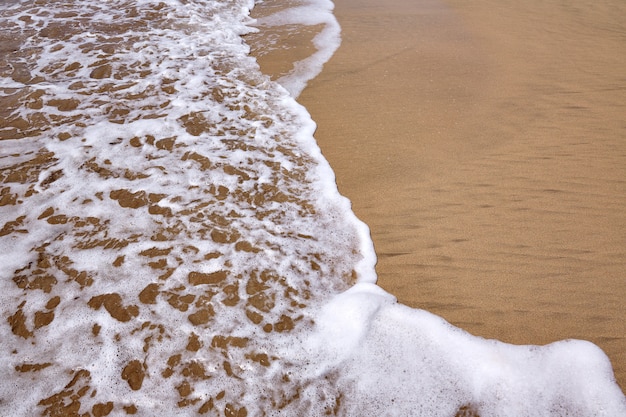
(484, 144)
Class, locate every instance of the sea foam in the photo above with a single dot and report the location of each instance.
(173, 242)
(301, 15)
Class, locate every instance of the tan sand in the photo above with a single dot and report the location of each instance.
(484, 143)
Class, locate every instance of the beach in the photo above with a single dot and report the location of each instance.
(173, 240)
(484, 144)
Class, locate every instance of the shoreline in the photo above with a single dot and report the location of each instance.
(489, 172)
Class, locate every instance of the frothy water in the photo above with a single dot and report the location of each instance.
(173, 242)
(312, 15)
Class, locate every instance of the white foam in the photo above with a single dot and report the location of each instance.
(244, 191)
(403, 361)
(326, 42)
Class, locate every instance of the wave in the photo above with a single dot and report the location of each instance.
(173, 241)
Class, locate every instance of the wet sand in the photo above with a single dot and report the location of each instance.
(484, 144)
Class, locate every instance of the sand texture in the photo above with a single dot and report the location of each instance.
(484, 143)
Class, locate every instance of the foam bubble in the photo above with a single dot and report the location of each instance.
(402, 361)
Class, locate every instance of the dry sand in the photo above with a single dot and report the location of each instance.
(484, 143)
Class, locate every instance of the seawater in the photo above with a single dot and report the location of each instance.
(172, 241)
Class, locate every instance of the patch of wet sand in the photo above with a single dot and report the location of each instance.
(484, 144)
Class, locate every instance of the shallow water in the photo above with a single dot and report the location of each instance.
(165, 211)
(173, 241)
